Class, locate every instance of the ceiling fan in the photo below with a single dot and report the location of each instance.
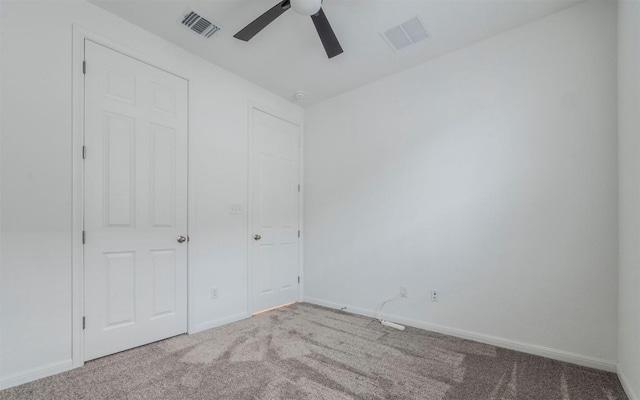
(311, 8)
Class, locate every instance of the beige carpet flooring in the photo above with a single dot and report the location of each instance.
(309, 352)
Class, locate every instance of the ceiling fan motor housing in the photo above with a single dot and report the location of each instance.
(306, 7)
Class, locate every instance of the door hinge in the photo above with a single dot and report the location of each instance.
(298, 233)
(84, 237)
(84, 152)
(298, 188)
(84, 67)
(298, 279)
(84, 322)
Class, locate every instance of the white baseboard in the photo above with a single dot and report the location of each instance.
(203, 326)
(626, 385)
(555, 354)
(36, 373)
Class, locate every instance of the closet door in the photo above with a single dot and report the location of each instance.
(135, 251)
(275, 262)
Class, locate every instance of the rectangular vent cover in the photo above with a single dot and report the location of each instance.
(198, 24)
(405, 34)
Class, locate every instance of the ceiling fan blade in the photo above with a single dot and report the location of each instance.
(328, 38)
(262, 21)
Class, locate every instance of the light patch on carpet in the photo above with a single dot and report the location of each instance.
(209, 351)
(564, 388)
(251, 350)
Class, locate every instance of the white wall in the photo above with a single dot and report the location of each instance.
(489, 174)
(629, 162)
(36, 173)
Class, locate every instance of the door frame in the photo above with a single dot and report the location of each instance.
(81, 34)
(297, 121)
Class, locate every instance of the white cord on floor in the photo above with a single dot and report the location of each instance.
(382, 305)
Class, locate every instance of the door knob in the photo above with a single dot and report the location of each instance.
(182, 239)
(257, 237)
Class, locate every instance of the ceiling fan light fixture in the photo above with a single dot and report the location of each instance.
(306, 7)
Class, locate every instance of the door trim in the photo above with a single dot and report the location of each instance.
(297, 121)
(81, 34)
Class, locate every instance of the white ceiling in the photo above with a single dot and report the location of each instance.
(288, 56)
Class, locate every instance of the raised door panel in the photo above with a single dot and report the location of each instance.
(164, 283)
(162, 196)
(120, 289)
(119, 170)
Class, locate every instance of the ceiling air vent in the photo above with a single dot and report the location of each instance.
(198, 24)
(405, 34)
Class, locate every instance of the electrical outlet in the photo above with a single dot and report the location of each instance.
(403, 291)
(235, 209)
(214, 293)
(435, 295)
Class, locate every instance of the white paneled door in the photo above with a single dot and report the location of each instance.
(275, 222)
(135, 265)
